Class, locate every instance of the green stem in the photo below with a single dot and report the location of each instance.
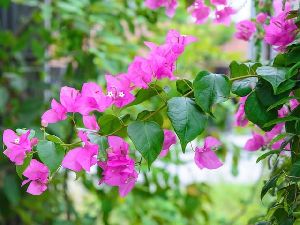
(243, 77)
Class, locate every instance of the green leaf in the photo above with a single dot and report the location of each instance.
(209, 89)
(50, 154)
(295, 169)
(293, 127)
(145, 94)
(11, 189)
(148, 139)
(184, 86)
(243, 87)
(257, 113)
(265, 155)
(109, 124)
(293, 71)
(21, 168)
(264, 93)
(54, 139)
(281, 120)
(270, 184)
(156, 117)
(243, 69)
(23, 131)
(282, 102)
(274, 75)
(187, 119)
(101, 141)
(286, 86)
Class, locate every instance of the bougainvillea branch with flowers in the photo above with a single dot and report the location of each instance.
(116, 143)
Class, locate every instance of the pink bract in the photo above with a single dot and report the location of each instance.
(245, 30)
(118, 169)
(280, 32)
(205, 157)
(55, 114)
(223, 16)
(199, 11)
(169, 140)
(255, 143)
(170, 5)
(81, 158)
(17, 146)
(37, 174)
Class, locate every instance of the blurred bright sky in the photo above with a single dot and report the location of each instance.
(245, 9)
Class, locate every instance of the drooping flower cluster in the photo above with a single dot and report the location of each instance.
(119, 168)
(37, 175)
(81, 158)
(205, 157)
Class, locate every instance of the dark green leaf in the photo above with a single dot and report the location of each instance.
(209, 89)
(11, 189)
(156, 117)
(21, 168)
(51, 154)
(109, 124)
(265, 155)
(270, 184)
(54, 139)
(184, 86)
(281, 120)
(187, 119)
(148, 139)
(243, 87)
(242, 69)
(145, 94)
(274, 75)
(257, 113)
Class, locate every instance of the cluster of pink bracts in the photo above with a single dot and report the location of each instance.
(279, 32)
(258, 141)
(198, 10)
(118, 168)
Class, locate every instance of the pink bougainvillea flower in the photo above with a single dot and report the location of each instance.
(81, 158)
(218, 2)
(92, 99)
(90, 122)
(223, 16)
(294, 104)
(137, 75)
(118, 169)
(280, 32)
(261, 18)
(279, 7)
(68, 98)
(205, 157)
(178, 42)
(255, 143)
(37, 174)
(17, 146)
(55, 114)
(169, 140)
(199, 11)
(245, 30)
(170, 5)
(240, 116)
(118, 91)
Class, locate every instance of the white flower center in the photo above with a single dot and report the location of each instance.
(110, 94)
(121, 94)
(17, 141)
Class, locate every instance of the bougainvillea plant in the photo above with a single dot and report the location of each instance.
(116, 143)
